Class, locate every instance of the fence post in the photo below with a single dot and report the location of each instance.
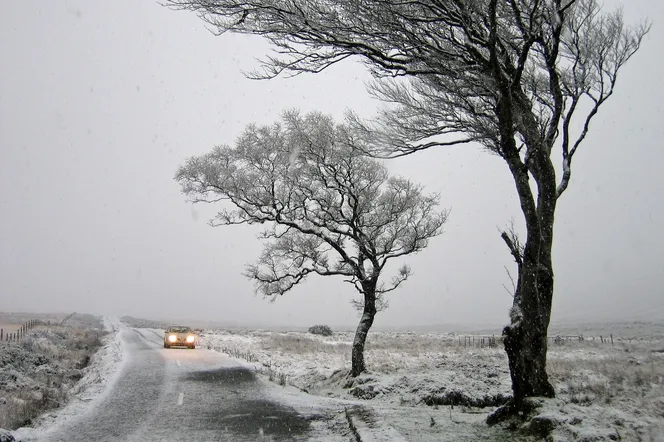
(2, 332)
(611, 339)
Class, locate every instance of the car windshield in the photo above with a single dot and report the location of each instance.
(180, 330)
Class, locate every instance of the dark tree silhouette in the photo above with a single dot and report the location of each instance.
(332, 211)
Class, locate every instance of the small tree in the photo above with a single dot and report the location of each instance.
(523, 78)
(323, 330)
(332, 211)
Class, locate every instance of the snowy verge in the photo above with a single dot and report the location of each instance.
(99, 375)
(366, 427)
(431, 387)
(403, 368)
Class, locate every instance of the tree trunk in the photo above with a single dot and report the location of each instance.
(525, 338)
(366, 321)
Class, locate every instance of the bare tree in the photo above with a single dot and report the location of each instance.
(519, 77)
(332, 211)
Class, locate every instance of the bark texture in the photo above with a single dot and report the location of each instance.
(525, 339)
(366, 321)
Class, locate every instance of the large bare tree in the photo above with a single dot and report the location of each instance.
(332, 210)
(523, 78)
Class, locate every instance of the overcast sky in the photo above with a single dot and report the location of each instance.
(100, 102)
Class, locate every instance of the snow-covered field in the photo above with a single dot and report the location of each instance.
(426, 386)
(24, 367)
(429, 387)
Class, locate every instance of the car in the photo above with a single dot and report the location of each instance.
(180, 336)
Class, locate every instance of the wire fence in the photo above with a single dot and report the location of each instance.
(482, 341)
(18, 335)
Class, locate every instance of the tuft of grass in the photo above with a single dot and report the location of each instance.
(604, 375)
(301, 344)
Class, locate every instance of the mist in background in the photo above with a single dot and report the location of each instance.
(100, 102)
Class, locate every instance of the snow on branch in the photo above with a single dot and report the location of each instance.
(330, 210)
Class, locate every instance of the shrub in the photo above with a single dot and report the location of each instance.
(324, 330)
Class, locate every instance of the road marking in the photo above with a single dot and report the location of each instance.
(231, 416)
(181, 398)
(177, 361)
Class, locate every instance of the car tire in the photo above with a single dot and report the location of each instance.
(166, 345)
(192, 346)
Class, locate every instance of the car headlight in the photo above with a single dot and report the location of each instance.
(191, 339)
(172, 338)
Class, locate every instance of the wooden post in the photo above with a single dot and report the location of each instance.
(602, 338)
(611, 339)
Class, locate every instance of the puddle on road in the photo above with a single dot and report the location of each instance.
(224, 376)
(247, 416)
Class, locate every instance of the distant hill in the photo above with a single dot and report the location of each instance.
(624, 328)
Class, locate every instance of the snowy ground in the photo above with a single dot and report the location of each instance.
(95, 377)
(429, 387)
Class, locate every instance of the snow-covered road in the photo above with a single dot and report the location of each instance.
(192, 395)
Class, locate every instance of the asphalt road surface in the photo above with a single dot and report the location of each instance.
(185, 395)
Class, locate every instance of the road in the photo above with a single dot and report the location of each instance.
(188, 395)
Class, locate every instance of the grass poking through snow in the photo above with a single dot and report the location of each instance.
(37, 372)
